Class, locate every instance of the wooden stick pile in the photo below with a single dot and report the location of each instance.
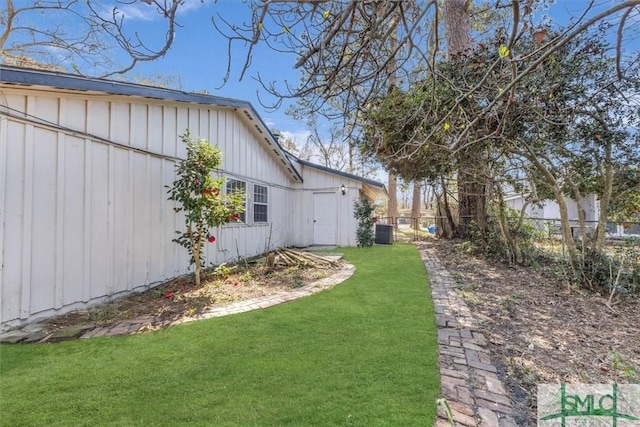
(291, 258)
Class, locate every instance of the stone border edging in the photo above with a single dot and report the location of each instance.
(469, 381)
(150, 322)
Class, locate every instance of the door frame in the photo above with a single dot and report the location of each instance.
(332, 216)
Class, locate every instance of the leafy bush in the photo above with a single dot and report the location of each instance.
(520, 249)
(363, 212)
(601, 272)
(200, 197)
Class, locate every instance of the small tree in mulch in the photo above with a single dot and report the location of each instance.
(363, 212)
(200, 197)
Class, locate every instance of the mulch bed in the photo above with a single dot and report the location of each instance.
(542, 331)
(181, 298)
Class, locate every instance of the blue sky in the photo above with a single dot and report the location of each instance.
(199, 59)
(199, 55)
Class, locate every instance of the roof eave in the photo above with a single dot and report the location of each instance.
(64, 81)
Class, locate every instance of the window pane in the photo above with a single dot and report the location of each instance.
(260, 213)
(260, 194)
(234, 185)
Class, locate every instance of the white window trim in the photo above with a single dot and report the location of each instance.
(249, 214)
(246, 201)
(254, 203)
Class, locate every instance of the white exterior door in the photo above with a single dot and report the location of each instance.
(324, 218)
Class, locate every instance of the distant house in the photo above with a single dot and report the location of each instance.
(84, 214)
(549, 209)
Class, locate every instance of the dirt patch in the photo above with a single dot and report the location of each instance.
(181, 298)
(542, 331)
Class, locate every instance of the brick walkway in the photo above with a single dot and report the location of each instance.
(469, 381)
(32, 333)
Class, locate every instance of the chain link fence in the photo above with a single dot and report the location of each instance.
(546, 232)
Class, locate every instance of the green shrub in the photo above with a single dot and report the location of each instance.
(601, 272)
(494, 245)
(363, 212)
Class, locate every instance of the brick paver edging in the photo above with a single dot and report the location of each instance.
(147, 323)
(233, 308)
(469, 381)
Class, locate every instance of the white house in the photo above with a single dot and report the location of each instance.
(549, 209)
(84, 214)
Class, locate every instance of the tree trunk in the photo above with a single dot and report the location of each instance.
(444, 220)
(471, 192)
(472, 197)
(581, 215)
(551, 181)
(566, 229)
(196, 255)
(605, 199)
(392, 207)
(458, 29)
(427, 196)
(510, 237)
(416, 203)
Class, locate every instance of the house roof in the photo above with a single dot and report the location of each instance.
(64, 81)
(375, 187)
(18, 76)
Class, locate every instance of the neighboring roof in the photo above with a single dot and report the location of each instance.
(64, 81)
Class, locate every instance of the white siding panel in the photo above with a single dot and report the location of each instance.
(122, 211)
(73, 221)
(204, 124)
(45, 108)
(83, 219)
(232, 143)
(158, 210)
(139, 124)
(98, 118)
(59, 226)
(316, 180)
(120, 122)
(13, 217)
(74, 115)
(15, 102)
(173, 223)
(27, 225)
(99, 229)
(212, 135)
(169, 131)
(43, 227)
(182, 124)
(193, 122)
(155, 128)
(141, 229)
(245, 141)
(221, 138)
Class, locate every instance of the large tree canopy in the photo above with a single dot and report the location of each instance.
(350, 51)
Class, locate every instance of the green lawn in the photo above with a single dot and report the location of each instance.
(361, 354)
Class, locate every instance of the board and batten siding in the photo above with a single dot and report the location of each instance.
(84, 214)
(319, 181)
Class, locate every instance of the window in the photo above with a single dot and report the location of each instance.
(260, 203)
(234, 185)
